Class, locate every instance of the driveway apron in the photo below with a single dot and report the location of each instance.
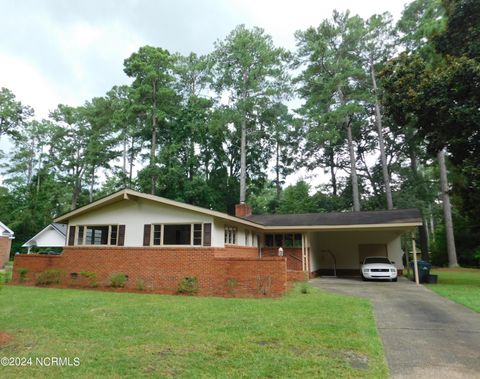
(424, 335)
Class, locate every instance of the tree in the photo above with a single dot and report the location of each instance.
(154, 96)
(332, 84)
(378, 46)
(251, 71)
(12, 113)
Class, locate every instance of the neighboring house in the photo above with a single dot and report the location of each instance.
(6, 237)
(52, 236)
(159, 242)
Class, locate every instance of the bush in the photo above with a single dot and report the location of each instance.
(91, 278)
(118, 280)
(232, 284)
(22, 274)
(140, 284)
(51, 276)
(188, 286)
(304, 288)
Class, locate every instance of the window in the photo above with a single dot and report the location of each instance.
(197, 234)
(97, 235)
(230, 235)
(177, 234)
(247, 237)
(278, 240)
(113, 234)
(157, 234)
(269, 240)
(80, 235)
(283, 240)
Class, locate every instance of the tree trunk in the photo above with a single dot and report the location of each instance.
(332, 171)
(243, 161)
(277, 171)
(92, 184)
(356, 198)
(447, 211)
(153, 147)
(75, 194)
(381, 143)
(125, 160)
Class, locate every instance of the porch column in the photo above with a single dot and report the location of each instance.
(305, 252)
(415, 267)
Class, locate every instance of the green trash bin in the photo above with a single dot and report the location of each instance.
(423, 271)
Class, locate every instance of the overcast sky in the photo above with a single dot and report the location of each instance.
(68, 51)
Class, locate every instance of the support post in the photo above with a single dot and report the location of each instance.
(415, 267)
(407, 258)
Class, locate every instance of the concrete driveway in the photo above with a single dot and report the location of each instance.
(424, 335)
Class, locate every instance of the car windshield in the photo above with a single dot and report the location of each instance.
(376, 260)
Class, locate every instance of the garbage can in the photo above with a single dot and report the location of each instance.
(423, 271)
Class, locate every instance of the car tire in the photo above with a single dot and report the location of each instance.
(394, 279)
(363, 278)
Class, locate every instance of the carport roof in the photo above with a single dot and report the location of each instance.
(391, 217)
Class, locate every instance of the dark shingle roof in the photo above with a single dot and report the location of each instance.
(396, 216)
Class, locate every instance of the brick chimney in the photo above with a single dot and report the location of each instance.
(243, 210)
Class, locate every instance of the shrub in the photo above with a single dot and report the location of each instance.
(232, 283)
(51, 276)
(188, 286)
(91, 278)
(22, 274)
(264, 284)
(140, 284)
(118, 280)
(304, 288)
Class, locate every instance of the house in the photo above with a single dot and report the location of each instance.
(159, 242)
(6, 237)
(52, 236)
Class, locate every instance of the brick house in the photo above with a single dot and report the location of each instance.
(159, 242)
(6, 237)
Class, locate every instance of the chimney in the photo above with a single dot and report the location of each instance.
(243, 210)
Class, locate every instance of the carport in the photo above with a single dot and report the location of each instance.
(335, 243)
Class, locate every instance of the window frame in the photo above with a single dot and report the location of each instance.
(192, 234)
(86, 226)
(231, 234)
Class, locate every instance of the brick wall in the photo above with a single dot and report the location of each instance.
(293, 255)
(5, 246)
(220, 272)
(233, 251)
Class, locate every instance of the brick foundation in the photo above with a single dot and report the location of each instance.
(220, 271)
(5, 246)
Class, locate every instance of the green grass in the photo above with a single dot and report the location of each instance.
(459, 285)
(317, 334)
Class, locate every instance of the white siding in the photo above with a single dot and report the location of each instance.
(344, 245)
(49, 238)
(135, 213)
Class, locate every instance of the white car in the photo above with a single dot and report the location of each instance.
(378, 268)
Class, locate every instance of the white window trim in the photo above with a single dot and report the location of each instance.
(85, 226)
(162, 233)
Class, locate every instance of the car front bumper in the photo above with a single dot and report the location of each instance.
(379, 275)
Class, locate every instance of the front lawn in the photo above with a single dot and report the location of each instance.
(317, 334)
(461, 285)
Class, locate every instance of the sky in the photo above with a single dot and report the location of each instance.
(69, 51)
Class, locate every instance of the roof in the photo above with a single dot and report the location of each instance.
(7, 231)
(59, 228)
(127, 193)
(398, 218)
(390, 217)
